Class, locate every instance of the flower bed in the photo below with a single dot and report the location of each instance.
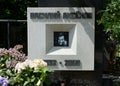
(16, 69)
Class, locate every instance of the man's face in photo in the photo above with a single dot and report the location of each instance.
(61, 38)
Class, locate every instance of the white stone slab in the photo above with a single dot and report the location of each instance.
(81, 38)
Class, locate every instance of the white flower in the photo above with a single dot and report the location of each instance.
(22, 65)
(32, 64)
(27, 62)
(38, 63)
(19, 66)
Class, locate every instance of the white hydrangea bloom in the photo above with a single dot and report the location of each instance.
(19, 66)
(38, 63)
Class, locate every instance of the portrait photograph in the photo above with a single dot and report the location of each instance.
(61, 39)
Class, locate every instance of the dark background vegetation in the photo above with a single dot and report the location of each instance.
(15, 9)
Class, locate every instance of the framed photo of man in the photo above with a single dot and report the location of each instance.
(61, 39)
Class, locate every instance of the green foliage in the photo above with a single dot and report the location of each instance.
(15, 9)
(111, 19)
(30, 77)
(106, 2)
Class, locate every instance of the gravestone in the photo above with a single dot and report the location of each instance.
(63, 37)
(79, 78)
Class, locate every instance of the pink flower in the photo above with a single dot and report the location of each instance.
(11, 63)
(3, 51)
(18, 47)
(16, 54)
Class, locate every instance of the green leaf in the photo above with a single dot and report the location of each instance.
(8, 72)
(26, 82)
(32, 79)
(38, 83)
